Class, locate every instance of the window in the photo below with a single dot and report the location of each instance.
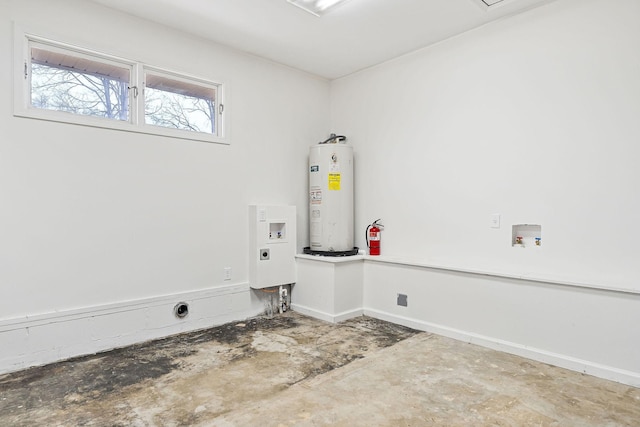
(78, 83)
(74, 85)
(174, 102)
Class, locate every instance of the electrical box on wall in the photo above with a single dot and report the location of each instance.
(272, 245)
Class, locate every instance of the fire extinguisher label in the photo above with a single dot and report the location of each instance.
(334, 181)
(373, 236)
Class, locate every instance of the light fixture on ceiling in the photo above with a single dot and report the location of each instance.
(316, 7)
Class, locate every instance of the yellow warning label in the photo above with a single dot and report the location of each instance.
(334, 181)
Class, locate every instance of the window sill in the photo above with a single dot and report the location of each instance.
(96, 122)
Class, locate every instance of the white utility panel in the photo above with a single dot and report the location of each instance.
(272, 246)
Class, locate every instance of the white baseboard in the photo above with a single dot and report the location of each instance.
(560, 360)
(327, 317)
(37, 340)
(50, 337)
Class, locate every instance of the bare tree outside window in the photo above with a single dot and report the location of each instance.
(63, 89)
(127, 94)
(175, 102)
(175, 110)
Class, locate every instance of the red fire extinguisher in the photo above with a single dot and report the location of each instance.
(373, 237)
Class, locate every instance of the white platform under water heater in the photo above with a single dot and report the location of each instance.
(331, 198)
(272, 246)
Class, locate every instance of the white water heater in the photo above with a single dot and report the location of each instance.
(331, 198)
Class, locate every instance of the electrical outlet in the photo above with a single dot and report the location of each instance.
(227, 273)
(495, 221)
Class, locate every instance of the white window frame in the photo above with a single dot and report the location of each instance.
(136, 122)
(219, 105)
(61, 116)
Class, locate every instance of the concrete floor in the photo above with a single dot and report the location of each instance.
(296, 371)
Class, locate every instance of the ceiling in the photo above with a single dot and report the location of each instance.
(355, 35)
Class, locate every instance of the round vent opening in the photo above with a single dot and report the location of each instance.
(181, 310)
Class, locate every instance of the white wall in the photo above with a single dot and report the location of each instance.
(534, 117)
(586, 330)
(91, 217)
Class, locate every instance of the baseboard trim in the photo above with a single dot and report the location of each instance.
(51, 337)
(327, 317)
(563, 361)
(118, 307)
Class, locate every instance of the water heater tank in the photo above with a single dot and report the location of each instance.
(331, 198)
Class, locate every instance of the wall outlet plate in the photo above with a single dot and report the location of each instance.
(495, 221)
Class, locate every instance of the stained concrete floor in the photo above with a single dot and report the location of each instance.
(292, 370)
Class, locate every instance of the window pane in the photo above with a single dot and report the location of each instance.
(79, 85)
(179, 104)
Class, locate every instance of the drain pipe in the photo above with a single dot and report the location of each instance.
(282, 303)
